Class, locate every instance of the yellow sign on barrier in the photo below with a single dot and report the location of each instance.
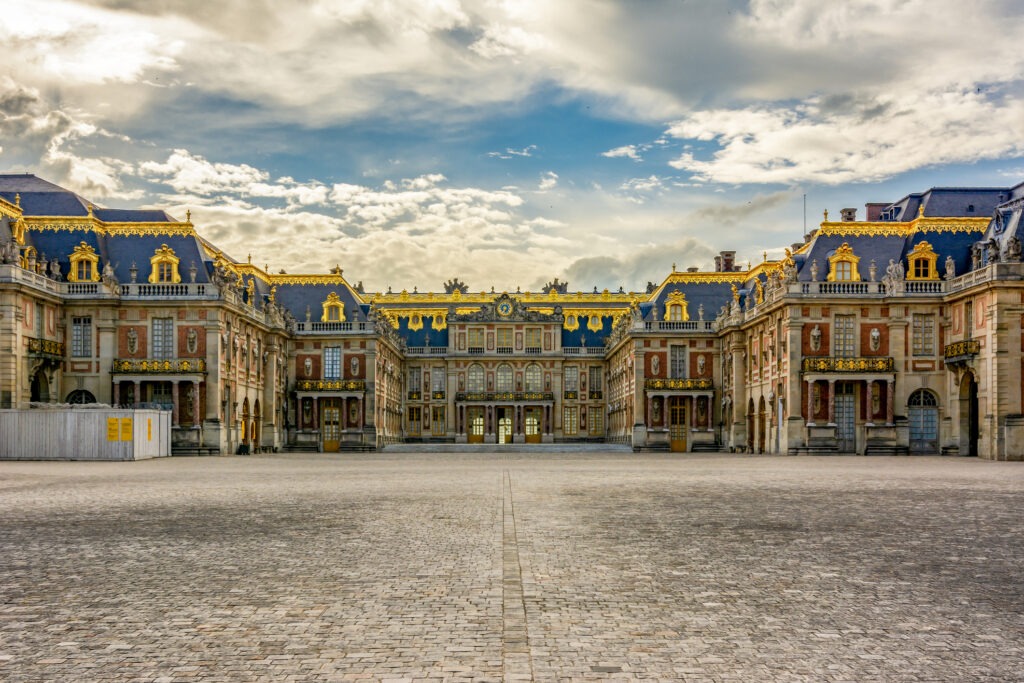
(149, 429)
(126, 429)
(112, 430)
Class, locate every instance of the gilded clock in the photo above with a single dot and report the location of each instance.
(505, 308)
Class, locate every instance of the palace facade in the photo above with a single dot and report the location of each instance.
(901, 333)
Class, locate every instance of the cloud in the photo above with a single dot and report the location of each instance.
(818, 143)
(548, 181)
(509, 152)
(627, 151)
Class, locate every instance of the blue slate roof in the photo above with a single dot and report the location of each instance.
(133, 216)
(711, 295)
(297, 298)
(947, 201)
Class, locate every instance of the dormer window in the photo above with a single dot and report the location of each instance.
(843, 265)
(84, 264)
(921, 262)
(334, 310)
(164, 266)
(676, 307)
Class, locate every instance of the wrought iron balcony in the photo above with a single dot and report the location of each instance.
(961, 351)
(159, 366)
(841, 365)
(331, 385)
(45, 347)
(596, 395)
(414, 395)
(571, 395)
(437, 395)
(684, 384)
(514, 396)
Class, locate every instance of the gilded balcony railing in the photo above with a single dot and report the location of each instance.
(45, 347)
(332, 385)
(685, 384)
(961, 350)
(854, 364)
(504, 396)
(159, 366)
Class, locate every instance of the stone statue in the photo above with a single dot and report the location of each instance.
(1013, 249)
(700, 312)
(950, 268)
(108, 274)
(192, 340)
(701, 364)
(814, 270)
(133, 340)
(976, 257)
(876, 339)
(759, 289)
(655, 365)
(993, 251)
(55, 270)
(735, 294)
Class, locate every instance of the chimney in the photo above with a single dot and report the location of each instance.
(849, 215)
(724, 262)
(692, 269)
(874, 211)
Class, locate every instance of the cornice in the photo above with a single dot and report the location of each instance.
(93, 224)
(924, 224)
(9, 210)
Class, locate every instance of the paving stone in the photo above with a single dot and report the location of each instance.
(554, 566)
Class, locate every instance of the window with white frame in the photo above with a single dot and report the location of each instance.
(332, 362)
(923, 335)
(677, 362)
(570, 420)
(475, 378)
(534, 378)
(503, 378)
(162, 345)
(595, 377)
(844, 341)
(571, 381)
(437, 382)
(81, 337)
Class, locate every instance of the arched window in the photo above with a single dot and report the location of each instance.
(475, 378)
(164, 265)
(503, 378)
(334, 310)
(84, 264)
(80, 397)
(534, 378)
(922, 263)
(843, 265)
(676, 307)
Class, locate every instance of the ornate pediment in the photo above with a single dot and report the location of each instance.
(505, 308)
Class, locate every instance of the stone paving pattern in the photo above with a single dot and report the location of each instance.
(550, 567)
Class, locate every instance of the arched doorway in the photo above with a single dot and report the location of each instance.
(245, 422)
(762, 424)
(80, 397)
(923, 414)
(40, 389)
(968, 415)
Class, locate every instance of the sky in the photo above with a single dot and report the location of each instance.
(509, 142)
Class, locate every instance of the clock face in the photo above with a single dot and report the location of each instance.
(504, 308)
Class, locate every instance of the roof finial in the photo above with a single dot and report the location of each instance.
(17, 200)
(188, 215)
(826, 215)
(90, 210)
(764, 256)
(920, 211)
(250, 258)
(673, 267)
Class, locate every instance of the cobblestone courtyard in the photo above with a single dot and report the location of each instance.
(517, 567)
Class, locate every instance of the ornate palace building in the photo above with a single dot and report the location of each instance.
(897, 334)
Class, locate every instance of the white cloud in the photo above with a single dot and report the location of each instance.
(868, 139)
(548, 181)
(627, 151)
(509, 152)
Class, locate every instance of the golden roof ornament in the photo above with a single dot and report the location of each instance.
(17, 200)
(826, 215)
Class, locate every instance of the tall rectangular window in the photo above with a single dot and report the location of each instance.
(595, 377)
(844, 342)
(81, 337)
(595, 422)
(677, 362)
(923, 335)
(476, 338)
(570, 420)
(415, 379)
(572, 378)
(504, 339)
(968, 319)
(40, 317)
(533, 339)
(332, 362)
(437, 379)
(163, 338)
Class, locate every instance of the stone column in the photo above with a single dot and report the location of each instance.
(137, 386)
(810, 403)
(175, 409)
(831, 402)
(649, 418)
(890, 402)
(316, 413)
(116, 399)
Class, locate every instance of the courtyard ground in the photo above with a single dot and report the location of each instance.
(547, 567)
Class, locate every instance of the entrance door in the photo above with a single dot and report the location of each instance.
(532, 425)
(968, 415)
(845, 418)
(504, 426)
(924, 422)
(330, 424)
(677, 424)
(475, 421)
